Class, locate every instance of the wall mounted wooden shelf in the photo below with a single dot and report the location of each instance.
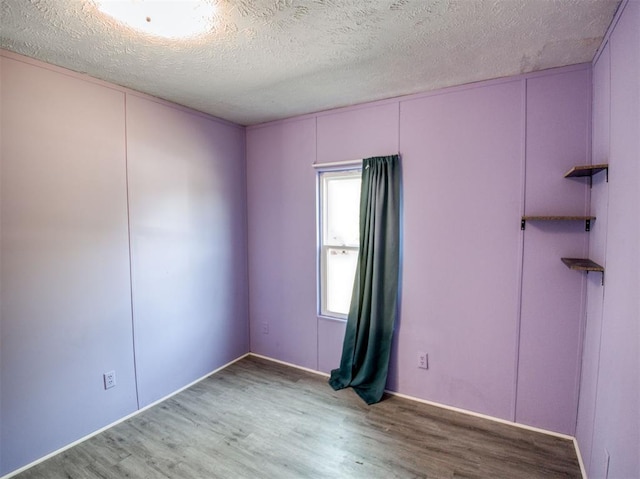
(587, 220)
(583, 264)
(587, 170)
(577, 264)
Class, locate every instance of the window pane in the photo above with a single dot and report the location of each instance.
(343, 210)
(340, 271)
(339, 240)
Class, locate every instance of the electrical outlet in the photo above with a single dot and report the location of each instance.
(423, 360)
(109, 379)
(265, 328)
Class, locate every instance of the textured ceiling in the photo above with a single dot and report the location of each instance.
(271, 59)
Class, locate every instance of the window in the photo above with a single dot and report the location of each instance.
(339, 239)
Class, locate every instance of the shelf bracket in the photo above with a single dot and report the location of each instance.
(522, 224)
(587, 225)
(601, 282)
(606, 176)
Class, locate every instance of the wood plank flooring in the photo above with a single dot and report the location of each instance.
(260, 419)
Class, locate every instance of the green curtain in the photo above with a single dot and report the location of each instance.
(372, 314)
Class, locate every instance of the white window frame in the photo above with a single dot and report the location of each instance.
(324, 246)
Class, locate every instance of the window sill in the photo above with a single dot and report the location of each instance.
(332, 318)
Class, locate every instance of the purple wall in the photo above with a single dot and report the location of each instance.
(464, 153)
(282, 227)
(558, 126)
(66, 309)
(66, 305)
(608, 430)
(462, 172)
(187, 205)
(597, 243)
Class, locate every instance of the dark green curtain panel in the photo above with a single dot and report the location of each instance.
(372, 314)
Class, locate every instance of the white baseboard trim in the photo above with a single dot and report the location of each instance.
(284, 363)
(122, 419)
(482, 416)
(583, 470)
(456, 409)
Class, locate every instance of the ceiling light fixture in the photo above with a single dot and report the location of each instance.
(165, 18)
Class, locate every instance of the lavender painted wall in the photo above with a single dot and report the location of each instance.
(462, 174)
(597, 247)
(281, 205)
(66, 306)
(463, 153)
(369, 130)
(66, 314)
(187, 205)
(609, 414)
(558, 126)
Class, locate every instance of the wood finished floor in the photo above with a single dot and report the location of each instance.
(260, 419)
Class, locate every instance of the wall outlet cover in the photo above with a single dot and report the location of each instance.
(423, 360)
(109, 379)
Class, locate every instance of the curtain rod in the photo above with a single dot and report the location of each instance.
(342, 163)
(338, 163)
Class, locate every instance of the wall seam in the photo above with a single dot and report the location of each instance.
(523, 198)
(606, 235)
(246, 241)
(133, 328)
(587, 247)
(616, 17)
